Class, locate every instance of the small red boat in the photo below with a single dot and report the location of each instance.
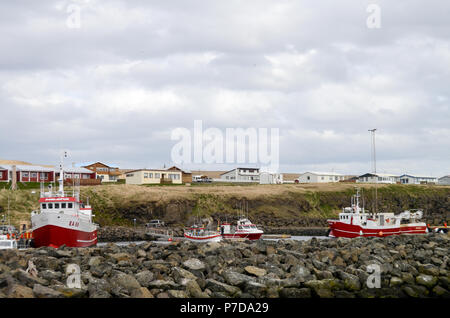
(63, 219)
(202, 235)
(244, 229)
(354, 221)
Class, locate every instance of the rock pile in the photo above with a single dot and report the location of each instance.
(396, 266)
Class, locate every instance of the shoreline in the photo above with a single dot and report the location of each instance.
(129, 234)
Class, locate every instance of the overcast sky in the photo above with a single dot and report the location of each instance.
(113, 87)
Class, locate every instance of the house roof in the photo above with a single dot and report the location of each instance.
(323, 173)
(240, 168)
(99, 163)
(378, 175)
(174, 168)
(157, 170)
(78, 170)
(28, 168)
(417, 176)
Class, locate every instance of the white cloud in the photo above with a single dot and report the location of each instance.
(113, 89)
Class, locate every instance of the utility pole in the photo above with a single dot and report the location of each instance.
(374, 167)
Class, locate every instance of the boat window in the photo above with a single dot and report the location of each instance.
(63, 205)
(50, 205)
(70, 205)
(44, 205)
(56, 205)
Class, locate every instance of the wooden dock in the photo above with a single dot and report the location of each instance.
(275, 236)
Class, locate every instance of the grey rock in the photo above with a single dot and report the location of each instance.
(295, 293)
(40, 291)
(217, 286)
(144, 278)
(194, 264)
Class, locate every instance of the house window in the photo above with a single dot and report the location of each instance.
(145, 175)
(63, 205)
(322, 178)
(50, 205)
(56, 205)
(308, 178)
(44, 206)
(25, 174)
(157, 175)
(150, 175)
(129, 175)
(70, 205)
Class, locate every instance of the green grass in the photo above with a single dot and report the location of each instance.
(25, 185)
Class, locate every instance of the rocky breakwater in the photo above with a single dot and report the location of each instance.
(400, 266)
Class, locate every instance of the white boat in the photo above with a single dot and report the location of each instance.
(7, 242)
(201, 235)
(355, 221)
(63, 219)
(244, 229)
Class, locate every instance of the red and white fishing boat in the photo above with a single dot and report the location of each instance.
(244, 229)
(354, 221)
(201, 235)
(63, 219)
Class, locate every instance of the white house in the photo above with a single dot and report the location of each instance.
(445, 180)
(377, 178)
(241, 175)
(319, 177)
(414, 179)
(153, 176)
(270, 178)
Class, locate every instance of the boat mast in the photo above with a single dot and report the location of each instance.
(374, 168)
(61, 175)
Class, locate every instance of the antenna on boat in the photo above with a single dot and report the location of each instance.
(61, 174)
(374, 167)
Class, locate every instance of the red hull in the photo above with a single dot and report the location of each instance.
(249, 236)
(339, 229)
(56, 236)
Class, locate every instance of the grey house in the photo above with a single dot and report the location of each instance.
(241, 175)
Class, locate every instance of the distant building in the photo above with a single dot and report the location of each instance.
(186, 176)
(27, 173)
(104, 172)
(445, 180)
(410, 179)
(377, 178)
(153, 176)
(270, 178)
(241, 175)
(319, 177)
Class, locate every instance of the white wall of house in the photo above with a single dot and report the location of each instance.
(314, 177)
(270, 178)
(152, 177)
(379, 178)
(445, 180)
(408, 179)
(241, 175)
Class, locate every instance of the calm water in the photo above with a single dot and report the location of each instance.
(296, 238)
